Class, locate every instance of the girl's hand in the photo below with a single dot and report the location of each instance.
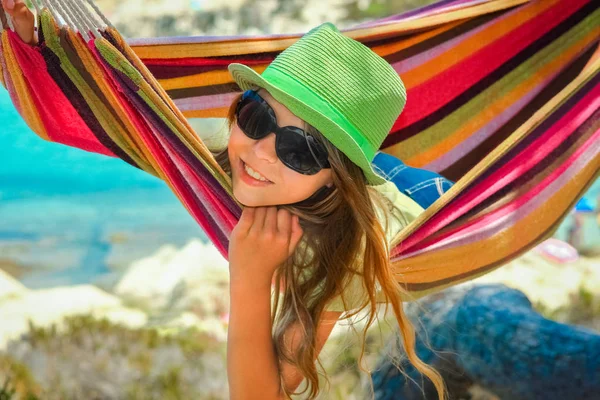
(263, 239)
(23, 20)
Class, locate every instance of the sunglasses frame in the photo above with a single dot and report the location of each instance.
(280, 133)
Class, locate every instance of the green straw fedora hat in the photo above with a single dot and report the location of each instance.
(337, 85)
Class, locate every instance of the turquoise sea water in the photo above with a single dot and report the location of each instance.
(60, 209)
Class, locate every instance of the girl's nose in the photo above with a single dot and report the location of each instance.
(265, 148)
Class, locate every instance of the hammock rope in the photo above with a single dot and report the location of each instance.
(503, 97)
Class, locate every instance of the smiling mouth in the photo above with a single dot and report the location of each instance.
(253, 173)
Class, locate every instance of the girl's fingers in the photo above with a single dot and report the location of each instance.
(259, 220)
(270, 224)
(23, 20)
(296, 233)
(8, 5)
(246, 220)
(284, 222)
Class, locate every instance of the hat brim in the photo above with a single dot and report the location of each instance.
(246, 78)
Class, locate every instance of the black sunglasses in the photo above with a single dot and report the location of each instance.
(295, 148)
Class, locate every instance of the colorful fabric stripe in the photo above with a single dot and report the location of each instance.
(503, 98)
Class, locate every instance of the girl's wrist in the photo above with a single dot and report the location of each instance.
(246, 293)
(243, 272)
(241, 282)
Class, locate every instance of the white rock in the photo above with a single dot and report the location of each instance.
(46, 306)
(9, 285)
(546, 282)
(154, 278)
(129, 317)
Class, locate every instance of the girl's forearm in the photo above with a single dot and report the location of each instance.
(252, 366)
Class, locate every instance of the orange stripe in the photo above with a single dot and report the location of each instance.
(27, 107)
(395, 47)
(214, 49)
(2, 77)
(125, 130)
(220, 112)
(458, 53)
(203, 79)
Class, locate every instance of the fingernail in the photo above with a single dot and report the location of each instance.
(10, 3)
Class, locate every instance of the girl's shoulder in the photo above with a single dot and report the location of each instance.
(400, 208)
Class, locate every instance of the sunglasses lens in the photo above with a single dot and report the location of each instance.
(293, 150)
(253, 118)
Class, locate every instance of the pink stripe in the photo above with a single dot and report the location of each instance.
(513, 169)
(186, 197)
(421, 58)
(62, 122)
(465, 146)
(206, 194)
(166, 166)
(450, 83)
(171, 164)
(208, 220)
(205, 102)
(505, 217)
(222, 217)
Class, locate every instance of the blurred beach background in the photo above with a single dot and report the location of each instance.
(85, 236)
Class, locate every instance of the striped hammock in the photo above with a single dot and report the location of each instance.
(503, 97)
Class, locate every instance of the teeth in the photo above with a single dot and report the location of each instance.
(255, 174)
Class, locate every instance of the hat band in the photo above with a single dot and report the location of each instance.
(303, 94)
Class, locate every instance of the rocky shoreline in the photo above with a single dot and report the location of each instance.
(179, 297)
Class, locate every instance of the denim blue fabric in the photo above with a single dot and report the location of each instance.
(423, 186)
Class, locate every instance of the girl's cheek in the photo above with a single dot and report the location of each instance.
(232, 147)
(236, 141)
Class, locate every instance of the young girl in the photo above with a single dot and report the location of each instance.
(317, 218)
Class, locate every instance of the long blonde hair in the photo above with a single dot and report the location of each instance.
(338, 230)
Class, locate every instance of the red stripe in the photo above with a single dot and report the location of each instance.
(60, 119)
(201, 62)
(450, 83)
(514, 168)
(509, 208)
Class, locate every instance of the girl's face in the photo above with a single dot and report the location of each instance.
(285, 185)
